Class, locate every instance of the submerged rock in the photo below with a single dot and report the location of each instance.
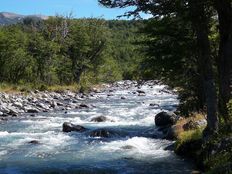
(104, 133)
(170, 147)
(127, 147)
(165, 119)
(34, 142)
(154, 105)
(69, 127)
(123, 98)
(99, 119)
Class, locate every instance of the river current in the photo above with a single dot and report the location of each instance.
(137, 147)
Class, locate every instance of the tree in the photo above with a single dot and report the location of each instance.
(43, 53)
(85, 45)
(160, 9)
(224, 9)
(200, 21)
(15, 63)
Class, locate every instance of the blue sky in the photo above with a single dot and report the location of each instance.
(79, 8)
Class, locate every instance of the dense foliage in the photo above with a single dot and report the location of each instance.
(65, 51)
(189, 46)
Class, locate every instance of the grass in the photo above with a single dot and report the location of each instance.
(25, 88)
(218, 161)
(12, 88)
(194, 117)
(182, 135)
(187, 136)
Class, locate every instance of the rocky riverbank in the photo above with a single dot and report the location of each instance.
(16, 104)
(33, 102)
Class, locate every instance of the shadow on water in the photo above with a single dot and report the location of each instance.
(119, 166)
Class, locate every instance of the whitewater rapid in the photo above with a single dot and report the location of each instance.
(136, 149)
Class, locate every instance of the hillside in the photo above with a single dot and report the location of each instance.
(7, 18)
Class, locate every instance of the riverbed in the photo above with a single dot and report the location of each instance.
(137, 146)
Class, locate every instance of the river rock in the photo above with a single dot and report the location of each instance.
(69, 127)
(191, 125)
(170, 147)
(104, 133)
(140, 91)
(18, 104)
(83, 106)
(165, 119)
(172, 132)
(99, 119)
(154, 105)
(127, 147)
(32, 110)
(34, 142)
(43, 106)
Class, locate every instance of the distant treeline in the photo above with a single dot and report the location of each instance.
(64, 51)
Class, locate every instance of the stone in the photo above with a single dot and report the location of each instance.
(43, 106)
(104, 133)
(165, 119)
(172, 132)
(191, 125)
(170, 147)
(32, 110)
(127, 147)
(18, 104)
(69, 127)
(154, 105)
(34, 142)
(84, 106)
(99, 119)
(140, 92)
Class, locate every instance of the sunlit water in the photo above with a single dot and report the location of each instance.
(135, 149)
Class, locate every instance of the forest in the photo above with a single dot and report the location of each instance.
(65, 51)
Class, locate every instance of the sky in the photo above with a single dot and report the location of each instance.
(79, 8)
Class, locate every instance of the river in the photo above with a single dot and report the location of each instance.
(136, 148)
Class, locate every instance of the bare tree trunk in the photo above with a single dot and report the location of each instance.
(224, 9)
(200, 25)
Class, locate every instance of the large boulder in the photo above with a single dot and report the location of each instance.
(165, 119)
(69, 127)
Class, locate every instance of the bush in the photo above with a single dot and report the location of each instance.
(229, 106)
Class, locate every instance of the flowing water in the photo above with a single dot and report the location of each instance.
(135, 149)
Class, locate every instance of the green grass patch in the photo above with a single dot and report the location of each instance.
(25, 88)
(187, 136)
